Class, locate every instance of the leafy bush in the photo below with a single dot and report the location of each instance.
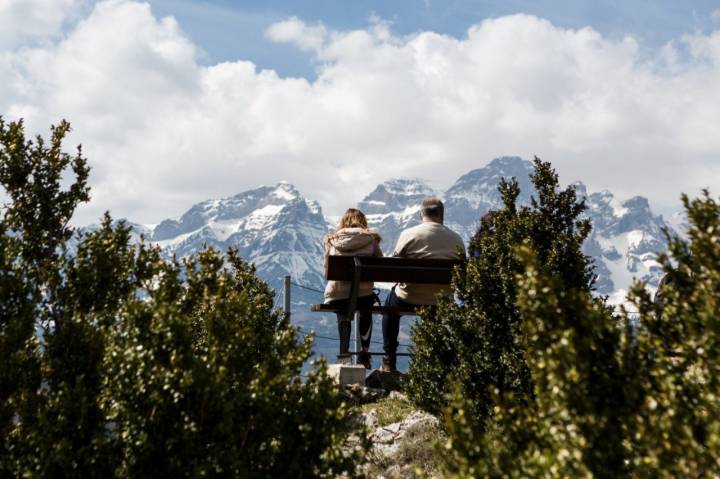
(476, 343)
(117, 363)
(613, 396)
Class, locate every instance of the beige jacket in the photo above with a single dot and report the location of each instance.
(426, 241)
(350, 242)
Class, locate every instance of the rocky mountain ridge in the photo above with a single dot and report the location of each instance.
(625, 236)
(281, 231)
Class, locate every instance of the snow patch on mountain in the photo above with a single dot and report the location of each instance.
(624, 242)
(394, 206)
(626, 267)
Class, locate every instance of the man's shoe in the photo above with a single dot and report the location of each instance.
(388, 365)
(365, 358)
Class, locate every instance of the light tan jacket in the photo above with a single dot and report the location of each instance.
(350, 242)
(427, 241)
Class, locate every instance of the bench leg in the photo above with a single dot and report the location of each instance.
(344, 329)
(358, 346)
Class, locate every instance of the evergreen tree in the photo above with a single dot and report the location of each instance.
(117, 363)
(613, 395)
(568, 425)
(475, 343)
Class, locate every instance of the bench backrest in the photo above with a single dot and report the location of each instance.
(391, 270)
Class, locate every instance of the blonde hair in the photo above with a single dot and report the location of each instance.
(353, 219)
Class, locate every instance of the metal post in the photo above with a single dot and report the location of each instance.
(286, 297)
(358, 344)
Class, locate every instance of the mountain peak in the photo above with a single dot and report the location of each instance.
(263, 202)
(637, 203)
(580, 189)
(397, 194)
(510, 162)
(478, 188)
(406, 186)
(606, 201)
(286, 191)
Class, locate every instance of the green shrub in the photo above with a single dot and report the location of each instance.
(613, 396)
(476, 343)
(117, 363)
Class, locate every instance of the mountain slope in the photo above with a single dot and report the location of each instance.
(625, 239)
(273, 226)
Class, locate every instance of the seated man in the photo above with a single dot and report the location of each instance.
(429, 240)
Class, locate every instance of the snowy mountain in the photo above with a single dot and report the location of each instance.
(272, 226)
(394, 206)
(625, 236)
(476, 192)
(281, 231)
(625, 239)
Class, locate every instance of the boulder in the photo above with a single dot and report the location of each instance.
(358, 394)
(389, 381)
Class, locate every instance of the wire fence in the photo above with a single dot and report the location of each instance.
(330, 338)
(307, 288)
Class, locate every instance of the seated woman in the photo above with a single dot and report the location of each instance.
(352, 238)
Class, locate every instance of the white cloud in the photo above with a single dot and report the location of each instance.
(296, 32)
(26, 20)
(162, 131)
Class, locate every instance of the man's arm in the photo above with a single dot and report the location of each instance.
(460, 244)
(401, 245)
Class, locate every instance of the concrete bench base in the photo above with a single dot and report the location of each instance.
(345, 374)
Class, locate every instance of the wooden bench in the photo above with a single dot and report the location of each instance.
(357, 269)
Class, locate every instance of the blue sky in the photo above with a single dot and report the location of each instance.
(227, 30)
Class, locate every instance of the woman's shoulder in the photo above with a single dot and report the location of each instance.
(372, 232)
(355, 231)
(345, 234)
(375, 234)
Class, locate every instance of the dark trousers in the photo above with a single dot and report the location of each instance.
(391, 327)
(344, 322)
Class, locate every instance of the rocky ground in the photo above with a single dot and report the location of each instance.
(404, 440)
